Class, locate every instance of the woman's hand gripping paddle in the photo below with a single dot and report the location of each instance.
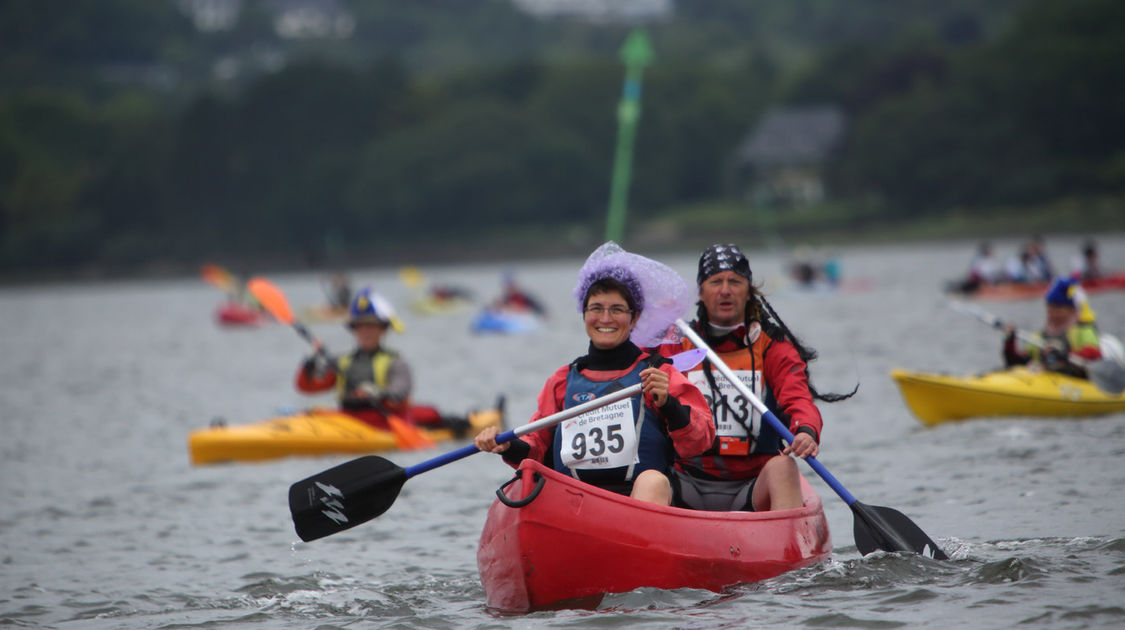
(356, 492)
(407, 436)
(1106, 374)
(875, 527)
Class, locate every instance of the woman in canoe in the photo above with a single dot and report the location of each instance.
(1069, 330)
(627, 447)
(748, 467)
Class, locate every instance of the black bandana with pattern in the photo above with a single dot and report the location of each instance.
(719, 258)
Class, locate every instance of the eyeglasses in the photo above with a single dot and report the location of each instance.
(616, 310)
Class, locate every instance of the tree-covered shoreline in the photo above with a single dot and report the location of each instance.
(354, 155)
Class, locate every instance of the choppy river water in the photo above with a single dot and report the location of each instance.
(105, 524)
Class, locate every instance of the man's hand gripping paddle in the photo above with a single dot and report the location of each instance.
(875, 527)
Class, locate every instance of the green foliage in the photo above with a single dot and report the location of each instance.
(121, 142)
(484, 164)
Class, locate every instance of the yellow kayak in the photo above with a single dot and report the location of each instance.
(1018, 391)
(313, 432)
(430, 305)
(323, 314)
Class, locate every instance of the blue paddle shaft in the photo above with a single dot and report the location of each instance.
(761, 407)
(538, 425)
(682, 362)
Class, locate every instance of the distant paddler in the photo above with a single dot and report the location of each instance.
(372, 382)
(1068, 337)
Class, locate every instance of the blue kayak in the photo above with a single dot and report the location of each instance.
(505, 322)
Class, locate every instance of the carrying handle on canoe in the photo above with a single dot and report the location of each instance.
(875, 527)
(357, 491)
(502, 497)
(1106, 374)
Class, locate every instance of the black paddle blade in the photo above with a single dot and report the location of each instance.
(888, 529)
(345, 496)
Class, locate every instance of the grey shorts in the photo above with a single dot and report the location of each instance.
(711, 494)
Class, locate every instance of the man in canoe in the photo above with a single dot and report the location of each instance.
(370, 380)
(748, 466)
(983, 269)
(1086, 265)
(1069, 330)
(626, 447)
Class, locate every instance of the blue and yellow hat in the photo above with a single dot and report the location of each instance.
(1068, 292)
(368, 307)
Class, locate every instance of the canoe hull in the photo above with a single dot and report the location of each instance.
(504, 322)
(1031, 290)
(236, 314)
(439, 306)
(313, 433)
(574, 543)
(937, 398)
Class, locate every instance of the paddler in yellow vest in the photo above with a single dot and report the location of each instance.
(1069, 330)
(749, 466)
(370, 380)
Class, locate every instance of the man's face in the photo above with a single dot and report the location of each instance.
(1059, 318)
(368, 335)
(724, 295)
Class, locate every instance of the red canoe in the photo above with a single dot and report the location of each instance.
(1030, 290)
(239, 314)
(571, 543)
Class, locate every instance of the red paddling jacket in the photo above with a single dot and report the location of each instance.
(777, 375)
(685, 415)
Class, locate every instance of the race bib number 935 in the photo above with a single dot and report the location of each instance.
(602, 438)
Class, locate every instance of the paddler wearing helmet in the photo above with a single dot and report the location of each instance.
(748, 467)
(1069, 329)
(370, 377)
(626, 301)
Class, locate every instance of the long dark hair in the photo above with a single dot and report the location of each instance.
(759, 309)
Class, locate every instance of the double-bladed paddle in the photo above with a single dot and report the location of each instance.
(875, 527)
(357, 491)
(218, 277)
(407, 436)
(273, 300)
(1106, 374)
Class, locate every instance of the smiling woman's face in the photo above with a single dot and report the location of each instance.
(609, 320)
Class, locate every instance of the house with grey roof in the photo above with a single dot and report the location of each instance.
(781, 161)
